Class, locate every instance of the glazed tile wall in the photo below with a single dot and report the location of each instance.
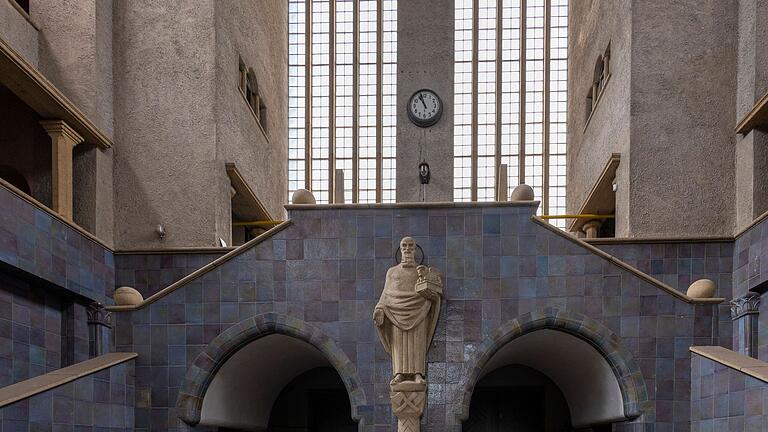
(327, 269)
(680, 264)
(149, 273)
(750, 259)
(34, 241)
(30, 330)
(723, 399)
(99, 402)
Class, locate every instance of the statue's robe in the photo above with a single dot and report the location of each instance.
(410, 321)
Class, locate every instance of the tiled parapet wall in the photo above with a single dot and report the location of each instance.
(678, 264)
(327, 270)
(151, 272)
(33, 240)
(724, 399)
(103, 401)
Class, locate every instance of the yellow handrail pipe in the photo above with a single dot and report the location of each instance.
(262, 223)
(579, 216)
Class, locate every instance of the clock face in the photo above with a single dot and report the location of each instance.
(425, 108)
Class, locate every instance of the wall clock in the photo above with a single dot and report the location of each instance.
(425, 108)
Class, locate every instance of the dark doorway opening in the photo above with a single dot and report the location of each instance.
(315, 401)
(520, 399)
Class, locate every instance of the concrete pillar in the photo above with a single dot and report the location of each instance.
(425, 57)
(501, 183)
(592, 228)
(338, 187)
(63, 140)
(744, 313)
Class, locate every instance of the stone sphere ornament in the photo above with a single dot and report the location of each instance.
(303, 196)
(127, 296)
(522, 192)
(702, 288)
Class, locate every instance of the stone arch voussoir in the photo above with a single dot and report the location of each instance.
(207, 363)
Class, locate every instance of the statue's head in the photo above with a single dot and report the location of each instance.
(408, 250)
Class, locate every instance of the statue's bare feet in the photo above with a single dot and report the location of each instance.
(419, 379)
(397, 379)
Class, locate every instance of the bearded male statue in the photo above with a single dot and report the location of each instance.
(406, 315)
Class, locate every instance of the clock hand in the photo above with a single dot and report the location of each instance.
(421, 96)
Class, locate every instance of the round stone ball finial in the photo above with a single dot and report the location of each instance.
(127, 296)
(303, 196)
(702, 288)
(522, 192)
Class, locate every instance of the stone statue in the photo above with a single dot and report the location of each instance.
(405, 318)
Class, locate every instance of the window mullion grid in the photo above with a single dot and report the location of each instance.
(557, 107)
(475, 39)
(355, 98)
(331, 100)
(367, 141)
(308, 95)
(379, 98)
(545, 117)
(297, 92)
(322, 88)
(499, 97)
(522, 141)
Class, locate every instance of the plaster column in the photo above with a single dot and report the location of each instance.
(744, 313)
(63, 140)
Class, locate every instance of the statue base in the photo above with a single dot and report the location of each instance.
(408, 399)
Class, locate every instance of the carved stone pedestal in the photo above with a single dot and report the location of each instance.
(408, 400)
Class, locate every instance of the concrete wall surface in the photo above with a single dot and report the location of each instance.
(258, 35)
(752, 84)
(683, 94)
(592, 26)
(165, 133)
(19, 33)
(425, 60)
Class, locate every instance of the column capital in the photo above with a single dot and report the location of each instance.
(98, 314)
(59, 128)
(747, 304)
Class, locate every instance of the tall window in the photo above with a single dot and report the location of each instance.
(510, 98)
(342, 61)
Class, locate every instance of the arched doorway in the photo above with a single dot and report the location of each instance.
(599, 381)
(517, 398)
(314, 401)
(238, 381)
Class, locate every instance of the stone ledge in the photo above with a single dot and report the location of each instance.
(414, 205)
(621, 264)
(28, 388)
(746, 365)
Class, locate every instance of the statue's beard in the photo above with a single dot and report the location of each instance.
(408, 260)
